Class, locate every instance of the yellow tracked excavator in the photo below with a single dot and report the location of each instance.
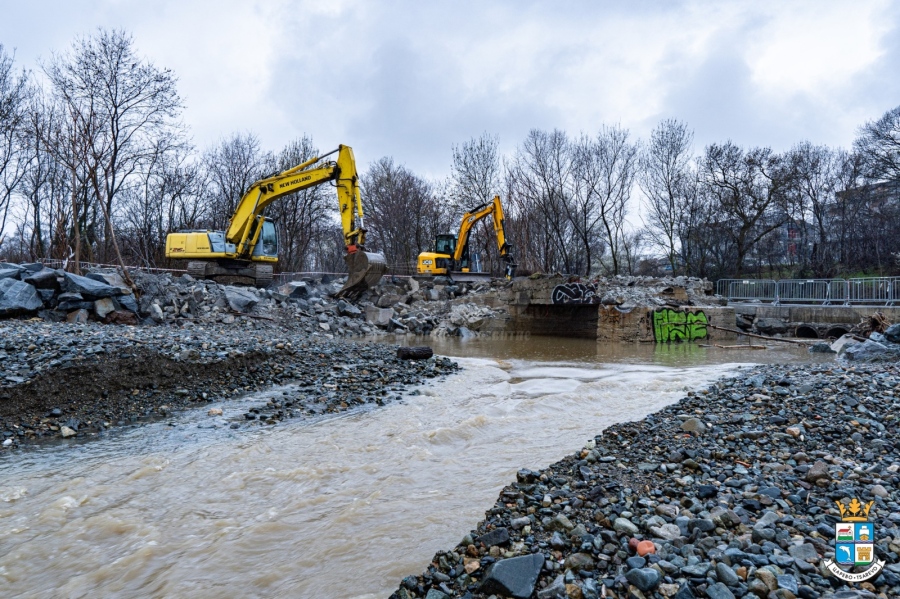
(248, 249)
(451, 252)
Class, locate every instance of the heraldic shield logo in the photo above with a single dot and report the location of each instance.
(854, 544)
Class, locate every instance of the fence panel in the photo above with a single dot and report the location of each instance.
(761, 290)
(882, 291)
(874, 291)
(812, 291)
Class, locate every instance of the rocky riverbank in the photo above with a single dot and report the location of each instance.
(64, 380)
(731, 492)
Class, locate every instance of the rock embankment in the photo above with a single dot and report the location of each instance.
(729, 493)
(61, 380)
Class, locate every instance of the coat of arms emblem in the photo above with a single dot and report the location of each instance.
(854, 544)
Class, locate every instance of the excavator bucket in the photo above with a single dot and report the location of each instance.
(366, 269)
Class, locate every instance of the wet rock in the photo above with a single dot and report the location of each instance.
(514, 577)
(771, 326)
(78, 316)
(498, 536)
(66, 432)
(240, 300)
(380, 317)
(19, 298)
(892, 333)
(89, 288)
(693, 425)
(821, 347)
(646, 579)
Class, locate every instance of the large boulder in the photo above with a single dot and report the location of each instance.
(240, 300)
(46, 278)
(113, 279)
(89, 288)
(104, 306)
(771, 326)
(20, 298)
(128, 303)
(869, 351)
(380, 317)
(9, 273)
(513, 577)
(892, 333)
(295, 290)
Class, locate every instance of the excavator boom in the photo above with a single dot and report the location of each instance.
(238, 247)
(428, 261)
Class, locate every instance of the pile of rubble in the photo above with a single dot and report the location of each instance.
(29, 289)
(438, 306)
(879, 347)
(628, 291)
(399, 306)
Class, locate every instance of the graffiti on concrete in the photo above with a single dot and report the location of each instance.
(678, 325)
(575, 293)
(611, 316)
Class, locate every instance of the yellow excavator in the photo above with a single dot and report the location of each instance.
(248, 249)
(451, 252)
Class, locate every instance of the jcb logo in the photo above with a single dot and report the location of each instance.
(175, 250)
(426, 262)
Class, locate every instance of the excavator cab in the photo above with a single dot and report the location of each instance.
(445, 244)
(268, 240)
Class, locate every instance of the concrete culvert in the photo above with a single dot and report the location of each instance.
(806, 332)
(836, 332)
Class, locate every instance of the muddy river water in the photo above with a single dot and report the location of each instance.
(342, 507)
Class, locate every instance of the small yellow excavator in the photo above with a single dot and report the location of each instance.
(247, 250)
(451, 252)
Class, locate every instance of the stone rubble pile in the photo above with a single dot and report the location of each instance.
(438, 306)
(879, 347)
(33, 289)
(731, 492)
(629, 291)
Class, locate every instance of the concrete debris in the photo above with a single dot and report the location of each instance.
(438, 306)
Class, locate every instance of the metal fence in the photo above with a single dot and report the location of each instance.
(875, 291)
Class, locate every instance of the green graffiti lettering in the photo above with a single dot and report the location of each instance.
(671, 325)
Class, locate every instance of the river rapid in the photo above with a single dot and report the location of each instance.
(341, 507)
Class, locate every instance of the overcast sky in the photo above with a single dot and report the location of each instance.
(411, 78)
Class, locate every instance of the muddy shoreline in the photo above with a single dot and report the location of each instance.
(78, 381)
(733, 491)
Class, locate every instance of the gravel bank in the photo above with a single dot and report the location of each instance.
(64, 380)
(734, 487)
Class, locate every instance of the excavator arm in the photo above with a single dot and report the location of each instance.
(471, 218)
(243, 229)
(236, 253)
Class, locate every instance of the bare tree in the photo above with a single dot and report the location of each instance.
(121, 108)
(615, 161)
(539, 180)
(229, 168)
(879, 146)
(749, 192)
(669, 184)
(403, 214)
(14, 96)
